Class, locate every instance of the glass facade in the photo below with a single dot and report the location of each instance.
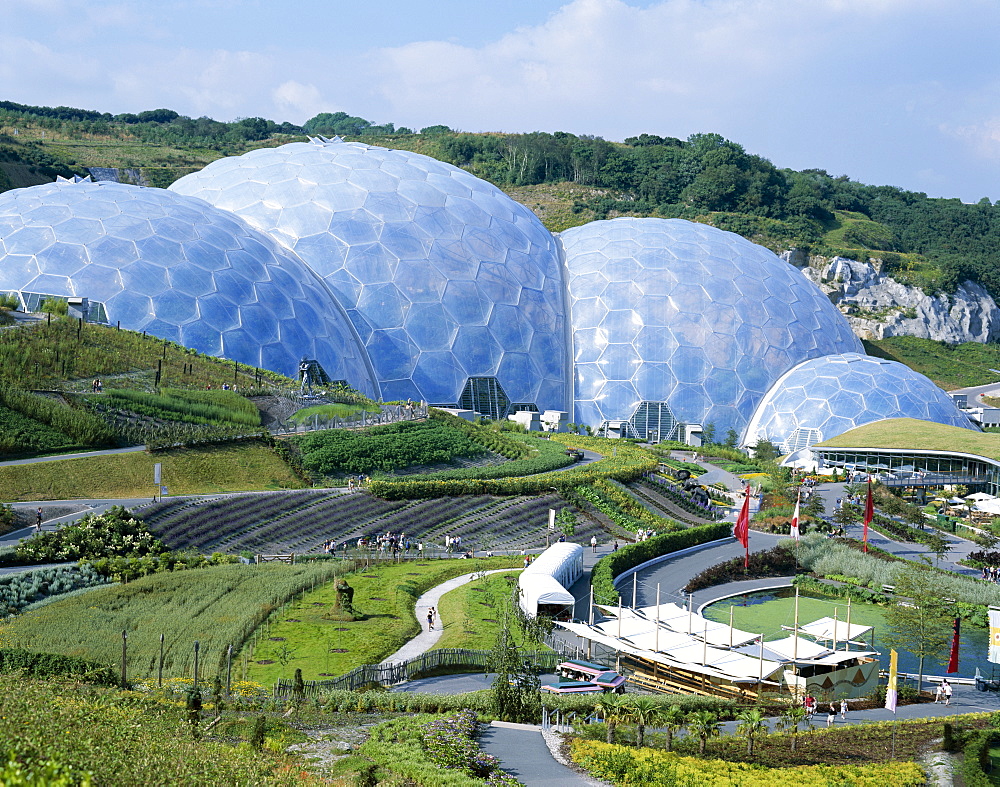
(666, 310)
(898, 466)
(179, 269)
(444, 277)
(824, 397)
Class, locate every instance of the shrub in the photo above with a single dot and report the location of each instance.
(609, 567)
(776, 562)
(52, 665)
(115, 532)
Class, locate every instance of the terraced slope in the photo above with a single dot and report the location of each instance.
(301, 521)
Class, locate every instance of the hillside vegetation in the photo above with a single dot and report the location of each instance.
(950, 366)
(568, 179)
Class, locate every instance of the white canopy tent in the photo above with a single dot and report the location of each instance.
(546, 581)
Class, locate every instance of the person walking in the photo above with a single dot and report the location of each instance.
(843, 708)
(38, 519)
(831, 715)
(947, 691)
(593, 543)
(430, 619)
(938, 693)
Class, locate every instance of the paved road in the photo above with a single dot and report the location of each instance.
(85, 455)
(524, 755)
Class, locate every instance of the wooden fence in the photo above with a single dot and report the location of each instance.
(391, 674)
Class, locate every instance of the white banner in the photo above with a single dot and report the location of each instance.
(552, 519)
(994, 655)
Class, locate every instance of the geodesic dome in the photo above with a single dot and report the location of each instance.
(178, 268)
(825, 397)
(676, 322)
(454, 288)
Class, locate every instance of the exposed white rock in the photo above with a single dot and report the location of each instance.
(878, 306)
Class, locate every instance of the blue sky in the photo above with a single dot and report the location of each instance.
(900, 92)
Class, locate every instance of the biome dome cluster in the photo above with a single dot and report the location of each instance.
(410, 278)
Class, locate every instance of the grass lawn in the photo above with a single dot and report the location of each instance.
(472, 613)
(188, 471)
(305, 638)
(914, 435)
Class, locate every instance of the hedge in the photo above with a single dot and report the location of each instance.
(50, 665)
(602, 577)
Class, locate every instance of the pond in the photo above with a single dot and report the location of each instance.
(768, 611)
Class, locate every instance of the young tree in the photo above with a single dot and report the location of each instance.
(921, 621)
(566, 521)
(752, 724)
(515, 694)
(703, 724)
(790, 719)
(708, 433)
(765, 451)
(732, 439)
(672, 720)
(938, 544)
(642, 712)
(613, 708)
(848, 514)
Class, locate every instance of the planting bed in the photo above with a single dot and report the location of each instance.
(301, 521)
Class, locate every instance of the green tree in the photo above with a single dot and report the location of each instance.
(672, 719)
(515, 694)
(613, 708)
(732, 439)
(752, 724)
(703, 724)
(566, 521)
(642, 712)
(765, 451)
(790, 719)
(848, 514)
(938, 543)
(920, 621)
(708, 433)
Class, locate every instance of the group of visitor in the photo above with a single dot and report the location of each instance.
(944, 692)
(810, 706)
(644, 534)
(991, 573)
(357, 482)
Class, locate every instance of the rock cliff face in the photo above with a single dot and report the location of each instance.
(878, 306)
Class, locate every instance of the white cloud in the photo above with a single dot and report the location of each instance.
(293, 99)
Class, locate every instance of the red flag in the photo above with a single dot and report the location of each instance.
(742, 530)
(795, 520)
(953, 661)
(869, 512)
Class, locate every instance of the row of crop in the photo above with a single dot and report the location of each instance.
(491, 439)
(82, 427)
(383, 448)
(607, 568)
(680, 497)
(217, 606)
(18, 591)
(621, 460)
(232, 511)
(203, 407)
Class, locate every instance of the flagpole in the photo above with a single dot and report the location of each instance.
(731, 626)
(795, 644)
(869, 513)
(656, 647)
(848, 623)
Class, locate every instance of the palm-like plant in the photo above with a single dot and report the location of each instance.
(642, 712)
(790, 719)
(672, 720)
(752, 724)
(614, 709)
(703, 724)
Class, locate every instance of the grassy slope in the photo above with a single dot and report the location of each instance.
(198, 470)
(470, 614)
(385, 595)
(949, 366)
(917, 435)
